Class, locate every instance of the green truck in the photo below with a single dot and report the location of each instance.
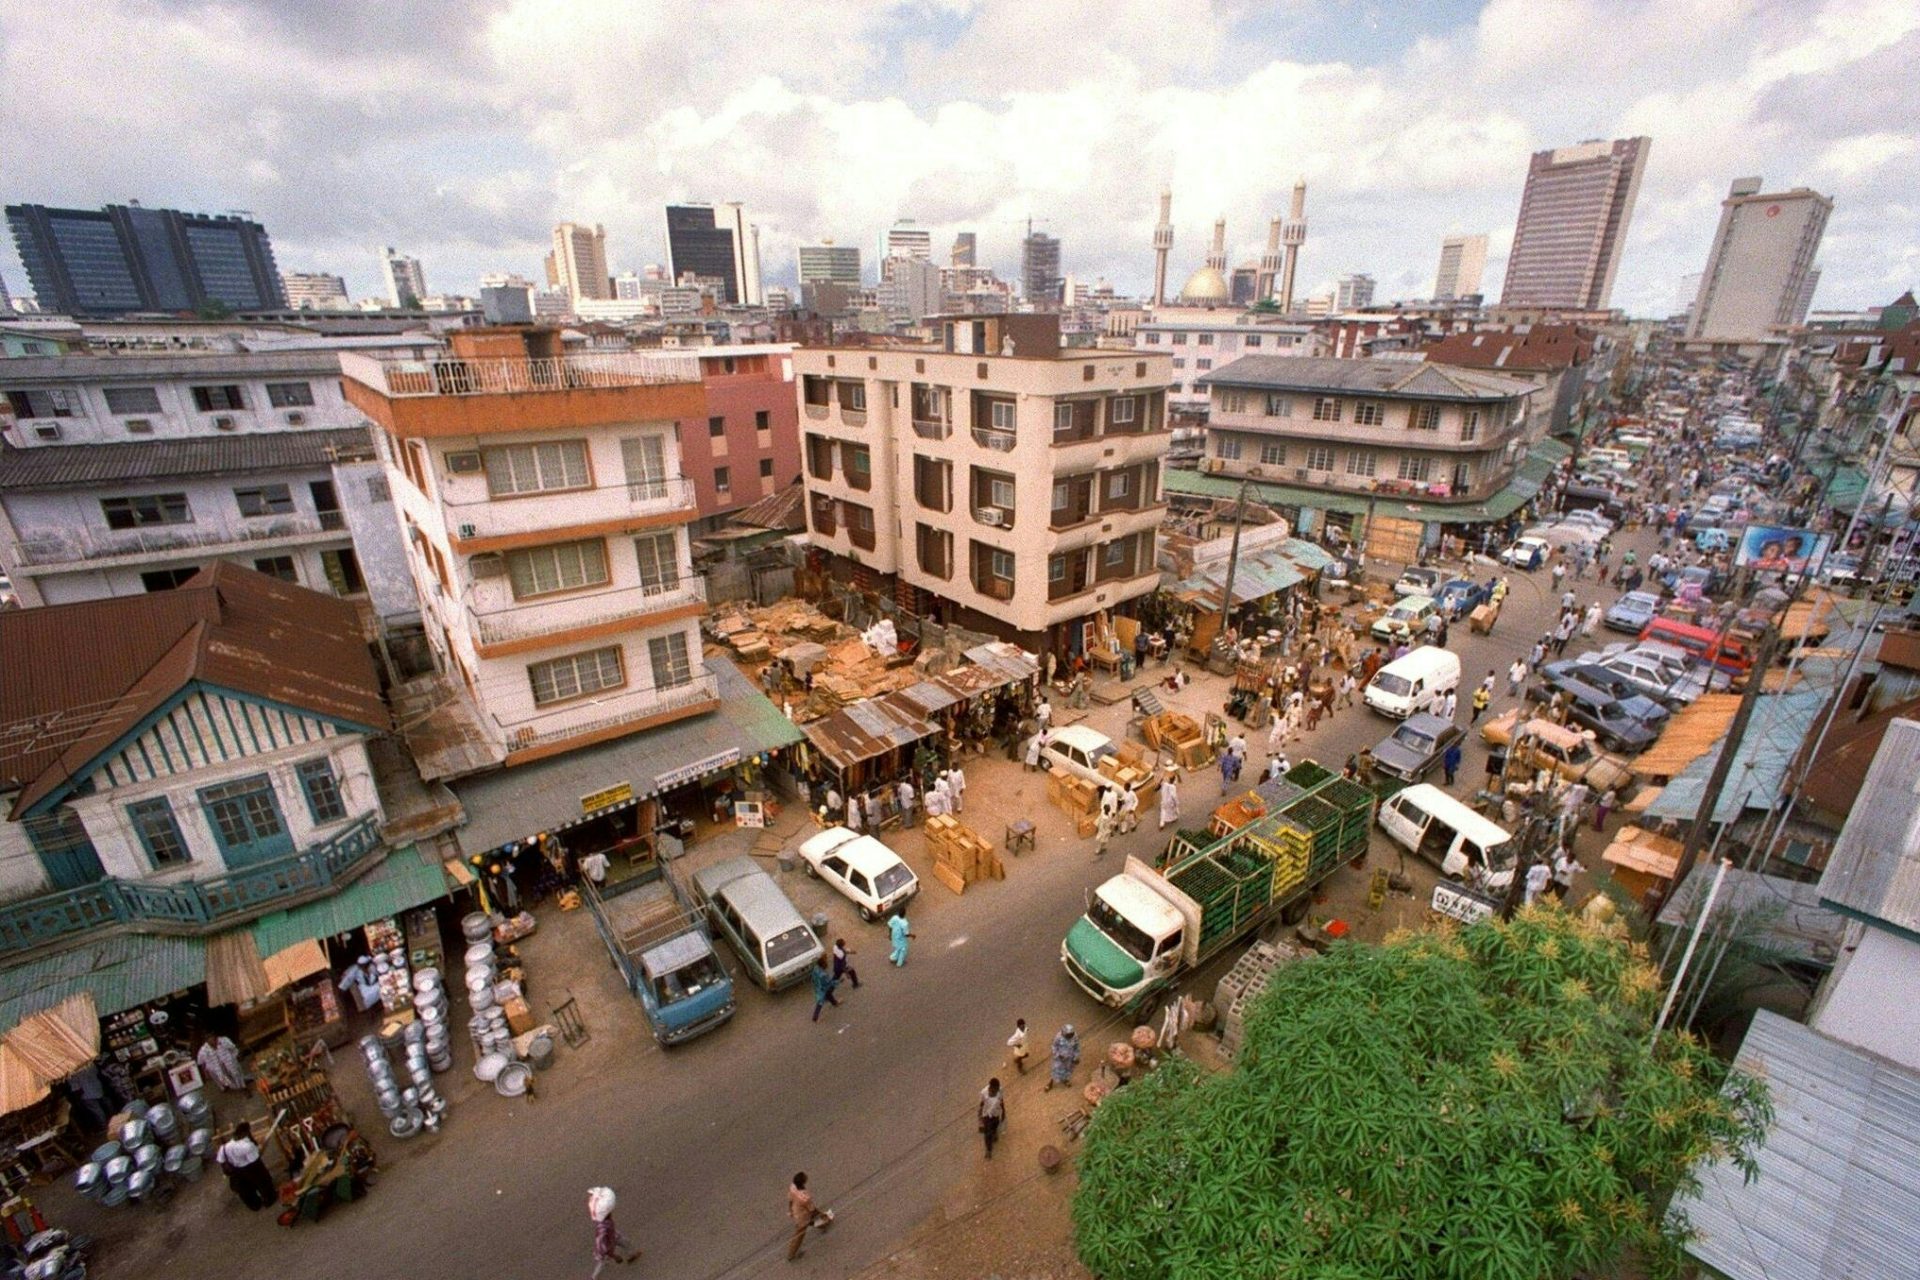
(1149, 925)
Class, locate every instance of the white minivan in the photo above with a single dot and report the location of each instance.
(1430, 823)
(1416, 682)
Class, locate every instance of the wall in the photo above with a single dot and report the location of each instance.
(1868, 999)
(737, 398)
(178, 418)
(366, 500)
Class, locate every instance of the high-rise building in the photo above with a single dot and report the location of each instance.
(746, 251)
(906, 240)
(315, 289)
(1040, 268)
(127, 258)
(1293, 234)
(580, 260)
(715, 242)
(1689, 290)
(628, 287)
(910, 289)
(1756, 273)
(1353, 292)
(6, 302)
(829, 262)
(1462, 261)
(1573, 223)
(406, 280)
(1800, 308)
(964, 248)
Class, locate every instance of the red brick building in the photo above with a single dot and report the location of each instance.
(748, 445)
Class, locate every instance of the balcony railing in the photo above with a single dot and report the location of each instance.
(90, 546)
(994, 588)
(702, 688)
(998, 441)
(482, 517)
(531, 621)
(818, 412)
(188, 906)
(510, 376)
(931, 429)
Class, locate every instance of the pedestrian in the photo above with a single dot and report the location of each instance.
(1044, 712)
(1516, 676)
(1169, 800)
(1227, 759)
(1450, 705)
(1604, 806)
(957, 782)
(823, 985)
(833, 803)
(1481, 699)
(803, 1212)
(1276, 767)
(897, 931)
(1450, 762)
(1237, 744)
(246, 1170)
(219, 1059)
(993, 1113)
(904, 794)
(1018, 1043)
(1563, 633)
(1568, 600)
(1347, 688)
(1538, 876)
(1037, 741)
(1109, 801)
(1276, 730)
(1102, 832)
(1559, 573)
(1538, 654)
(853, 813)
(1129, 810)
(1591, 623)
(1445, 630)
(608, 1243)
(1066, 1056)
(842, 966)
(1564, 865)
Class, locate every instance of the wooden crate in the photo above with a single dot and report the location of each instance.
(949, 877)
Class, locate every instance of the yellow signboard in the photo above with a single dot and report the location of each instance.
(606, 797)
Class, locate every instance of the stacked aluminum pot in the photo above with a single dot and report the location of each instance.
(404, 1117)
(430, 1104)
(430, 1002)
(489, 1021)
(195, 1109)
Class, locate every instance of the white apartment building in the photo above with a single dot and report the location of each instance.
(905, 239)
(1463, 260)
(126, 473)
(1007, 483)
(404, 276)
(315, 290)
(544, 515)
(1755, 283)
(1201, 345)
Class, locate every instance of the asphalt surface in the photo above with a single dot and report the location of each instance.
(875, 1100)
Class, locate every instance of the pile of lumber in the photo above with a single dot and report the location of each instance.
(1179, 734)
(961, 856)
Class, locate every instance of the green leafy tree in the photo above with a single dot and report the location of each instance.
(1478, 1104)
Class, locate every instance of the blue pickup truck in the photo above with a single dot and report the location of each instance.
(661, 946)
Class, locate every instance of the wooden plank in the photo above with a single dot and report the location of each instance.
(949, 877)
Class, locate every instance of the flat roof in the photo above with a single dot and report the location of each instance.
(201, 457)
(133, 366)
(1409, 379)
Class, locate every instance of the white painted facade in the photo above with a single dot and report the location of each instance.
(1198, 346)
(1867, 1000)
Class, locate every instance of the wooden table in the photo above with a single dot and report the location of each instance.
(1019, 836)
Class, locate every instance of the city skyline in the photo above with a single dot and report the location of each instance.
(956, 121)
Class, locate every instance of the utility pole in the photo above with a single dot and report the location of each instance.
(1722, 766)
(1233, 557)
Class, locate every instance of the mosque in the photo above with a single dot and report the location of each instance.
(1210, 287)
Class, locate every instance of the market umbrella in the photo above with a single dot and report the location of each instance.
(57, 1042)
(20, 1085)
(234, 972)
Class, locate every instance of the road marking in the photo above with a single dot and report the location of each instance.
(960, 941)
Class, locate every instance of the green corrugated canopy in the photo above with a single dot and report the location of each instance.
(119, 971)
(406, 879)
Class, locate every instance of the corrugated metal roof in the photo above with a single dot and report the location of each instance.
(1838, 1194)
(61, 466)
(1759, 770)
(406, 879)
(1414, 378)
(1256, 575)
(1009, 660)
(871, 727)
(30, 371)
(1874, 870)
(1787, 913)
(119, 971)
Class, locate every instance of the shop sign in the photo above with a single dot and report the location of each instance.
(606, 797)
(698, 769)
(749, 813)
(1463, 904)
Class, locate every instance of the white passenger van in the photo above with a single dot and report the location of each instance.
(1416, 682)
(1432, 824)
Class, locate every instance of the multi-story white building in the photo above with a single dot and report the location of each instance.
(406, 279)
(580, 261)
(1001, 480)
(906, 240)
(315, 290)
(544, 515)
(1463, 259)
(127, 473)
(1755, 283)
(1353, 293)
(1200, 342)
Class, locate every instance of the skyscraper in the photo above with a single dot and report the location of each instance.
(963, 250)
(905, 240)
(1756, 274)
(315, 289)
(1463, 259)
(406, 280)
(580, 260)
(829, 262)
(126, 258)
(746, 251)
(1040, 268)
(1353, 292)
(715, 241)
(1573, 222)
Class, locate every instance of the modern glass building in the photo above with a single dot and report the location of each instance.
(127, 258)
(697, 243)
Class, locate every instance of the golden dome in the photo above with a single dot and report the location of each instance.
(1205, 287)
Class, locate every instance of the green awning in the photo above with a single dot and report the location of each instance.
(406, 879)
(120, 972)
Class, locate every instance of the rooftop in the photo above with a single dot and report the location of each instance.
(1389, 378)
(1874, 870)
(33, 371)
(211, 456)
(1538, 348)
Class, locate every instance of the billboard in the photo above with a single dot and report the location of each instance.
(1768, 548)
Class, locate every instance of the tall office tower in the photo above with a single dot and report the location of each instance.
(127, 258)
(315, 289)
(1293, 234)
(1040, 268)
(6, 303)
(964, 247)
(580, 260)
(746, 251)
(906, 240)
(1757, 270)
(714, 241)
(1162, 246)
(406, 281)
(1462, 261)
(1353, 292)
(1800, 308)
(1573, 223)
(830, 263)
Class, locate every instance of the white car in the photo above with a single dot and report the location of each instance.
(1079, 750)
(861, 869)
(1593, 519)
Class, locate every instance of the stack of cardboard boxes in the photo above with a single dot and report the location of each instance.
(961, 856)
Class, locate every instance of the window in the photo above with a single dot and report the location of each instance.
(762, 420)
(1360, 462)
(1227, 447)
(563, 566)
(716, 426)
(1252, 340)
(165, 579)
(280, 567)
(132, 400)
(1320, 458)
(1056, 569)
(723, 478)
(1326, 409)
(1279, 407)
(1124, 409)
(1000, 563)
(860, 463)
(1415, 467)
(1002, 415)
(537, 468)
(1114, 554)
(1203, 364)
(159, 832)
(1273, 455)
(659, 558)
(218, 399)
(1369, 413)
(146, 509)
(931, 487)
(935, 547)
(45, 404)
(1179, 339)
(290, 395)
(576, 675)
(853, 396)
(1462, 477)
(1120, 484)
(64, 848)
(264, 500)
(322, 791)
(1470, 424)
(1000, 492)
(766, 468)
(1426, 417)
(1179, 362)
(1062, 418)
(668, 655)
(1206, 339)
(1233, 402)
(246, 820)
(1153, 339)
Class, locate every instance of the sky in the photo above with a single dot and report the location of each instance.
(461, 132)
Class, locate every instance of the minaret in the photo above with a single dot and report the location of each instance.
(1162, 246)
(1269, 264)
(1293, 235)
(1218, 258)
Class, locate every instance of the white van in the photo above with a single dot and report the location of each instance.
(1429, 822)
(1416, 682)
(1617, 459)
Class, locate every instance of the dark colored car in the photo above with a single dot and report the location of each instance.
(1582, 497)
(1622, 723)
(1461, 596)
(1411, 751)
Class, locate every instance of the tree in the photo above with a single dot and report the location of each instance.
(1476, 1104)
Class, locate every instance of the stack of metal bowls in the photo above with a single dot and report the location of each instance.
(430, 1002)
(199, 1145)
(165, 1122)
(489, 1021)
(133, 1134)
(91, 1181)
(431, 1104)
(116, 1170)
(195, 1109)
(477, 926)
(175, 1157)
(386, 1089)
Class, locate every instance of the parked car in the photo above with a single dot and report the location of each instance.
(1412, 751)
(1609, 682)
(1561, 533)
(1417, 582)
(757, 918)
(1406, 619)
(1461, 596)
(1569, 753)
(1632, 612)
(1079, 749)
(1587, 516)
(1657, 671)
(1526, 553)
(860, 869)
(1628, 724)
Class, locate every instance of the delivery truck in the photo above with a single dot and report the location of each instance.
(662, 949)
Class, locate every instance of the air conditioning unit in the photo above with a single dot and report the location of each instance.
(1256, 470)
(464, 463)
(295, 418)
(1216, 464)
(223, 422)
(140, 426)
(47, 433)
(467, 531)
(988, 515)
(488, 565)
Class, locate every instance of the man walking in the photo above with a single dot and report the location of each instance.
(800, 1208)
(897, 931)
(1102, 832)
(823, 985)
(1450, 762)
(1169, 800)
(842, 967)
(1129, 810)
(1564, 865)
(957, 781)
(1066, 1056)
(1516, 676)
(1481, 699)
(1450, 705)
(993, 1113)
(1017, 1042)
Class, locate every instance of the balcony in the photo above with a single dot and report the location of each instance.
(931, 429)
(397, 379)
(496, 524)
(190, 906)
(641, 708)
(994, 588)
(524, 626)
(817, 412)
(989, 438)
(52, 552)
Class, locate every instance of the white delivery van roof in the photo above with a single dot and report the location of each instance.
(1423, 661)
(1142, 905)
(1433, 800)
